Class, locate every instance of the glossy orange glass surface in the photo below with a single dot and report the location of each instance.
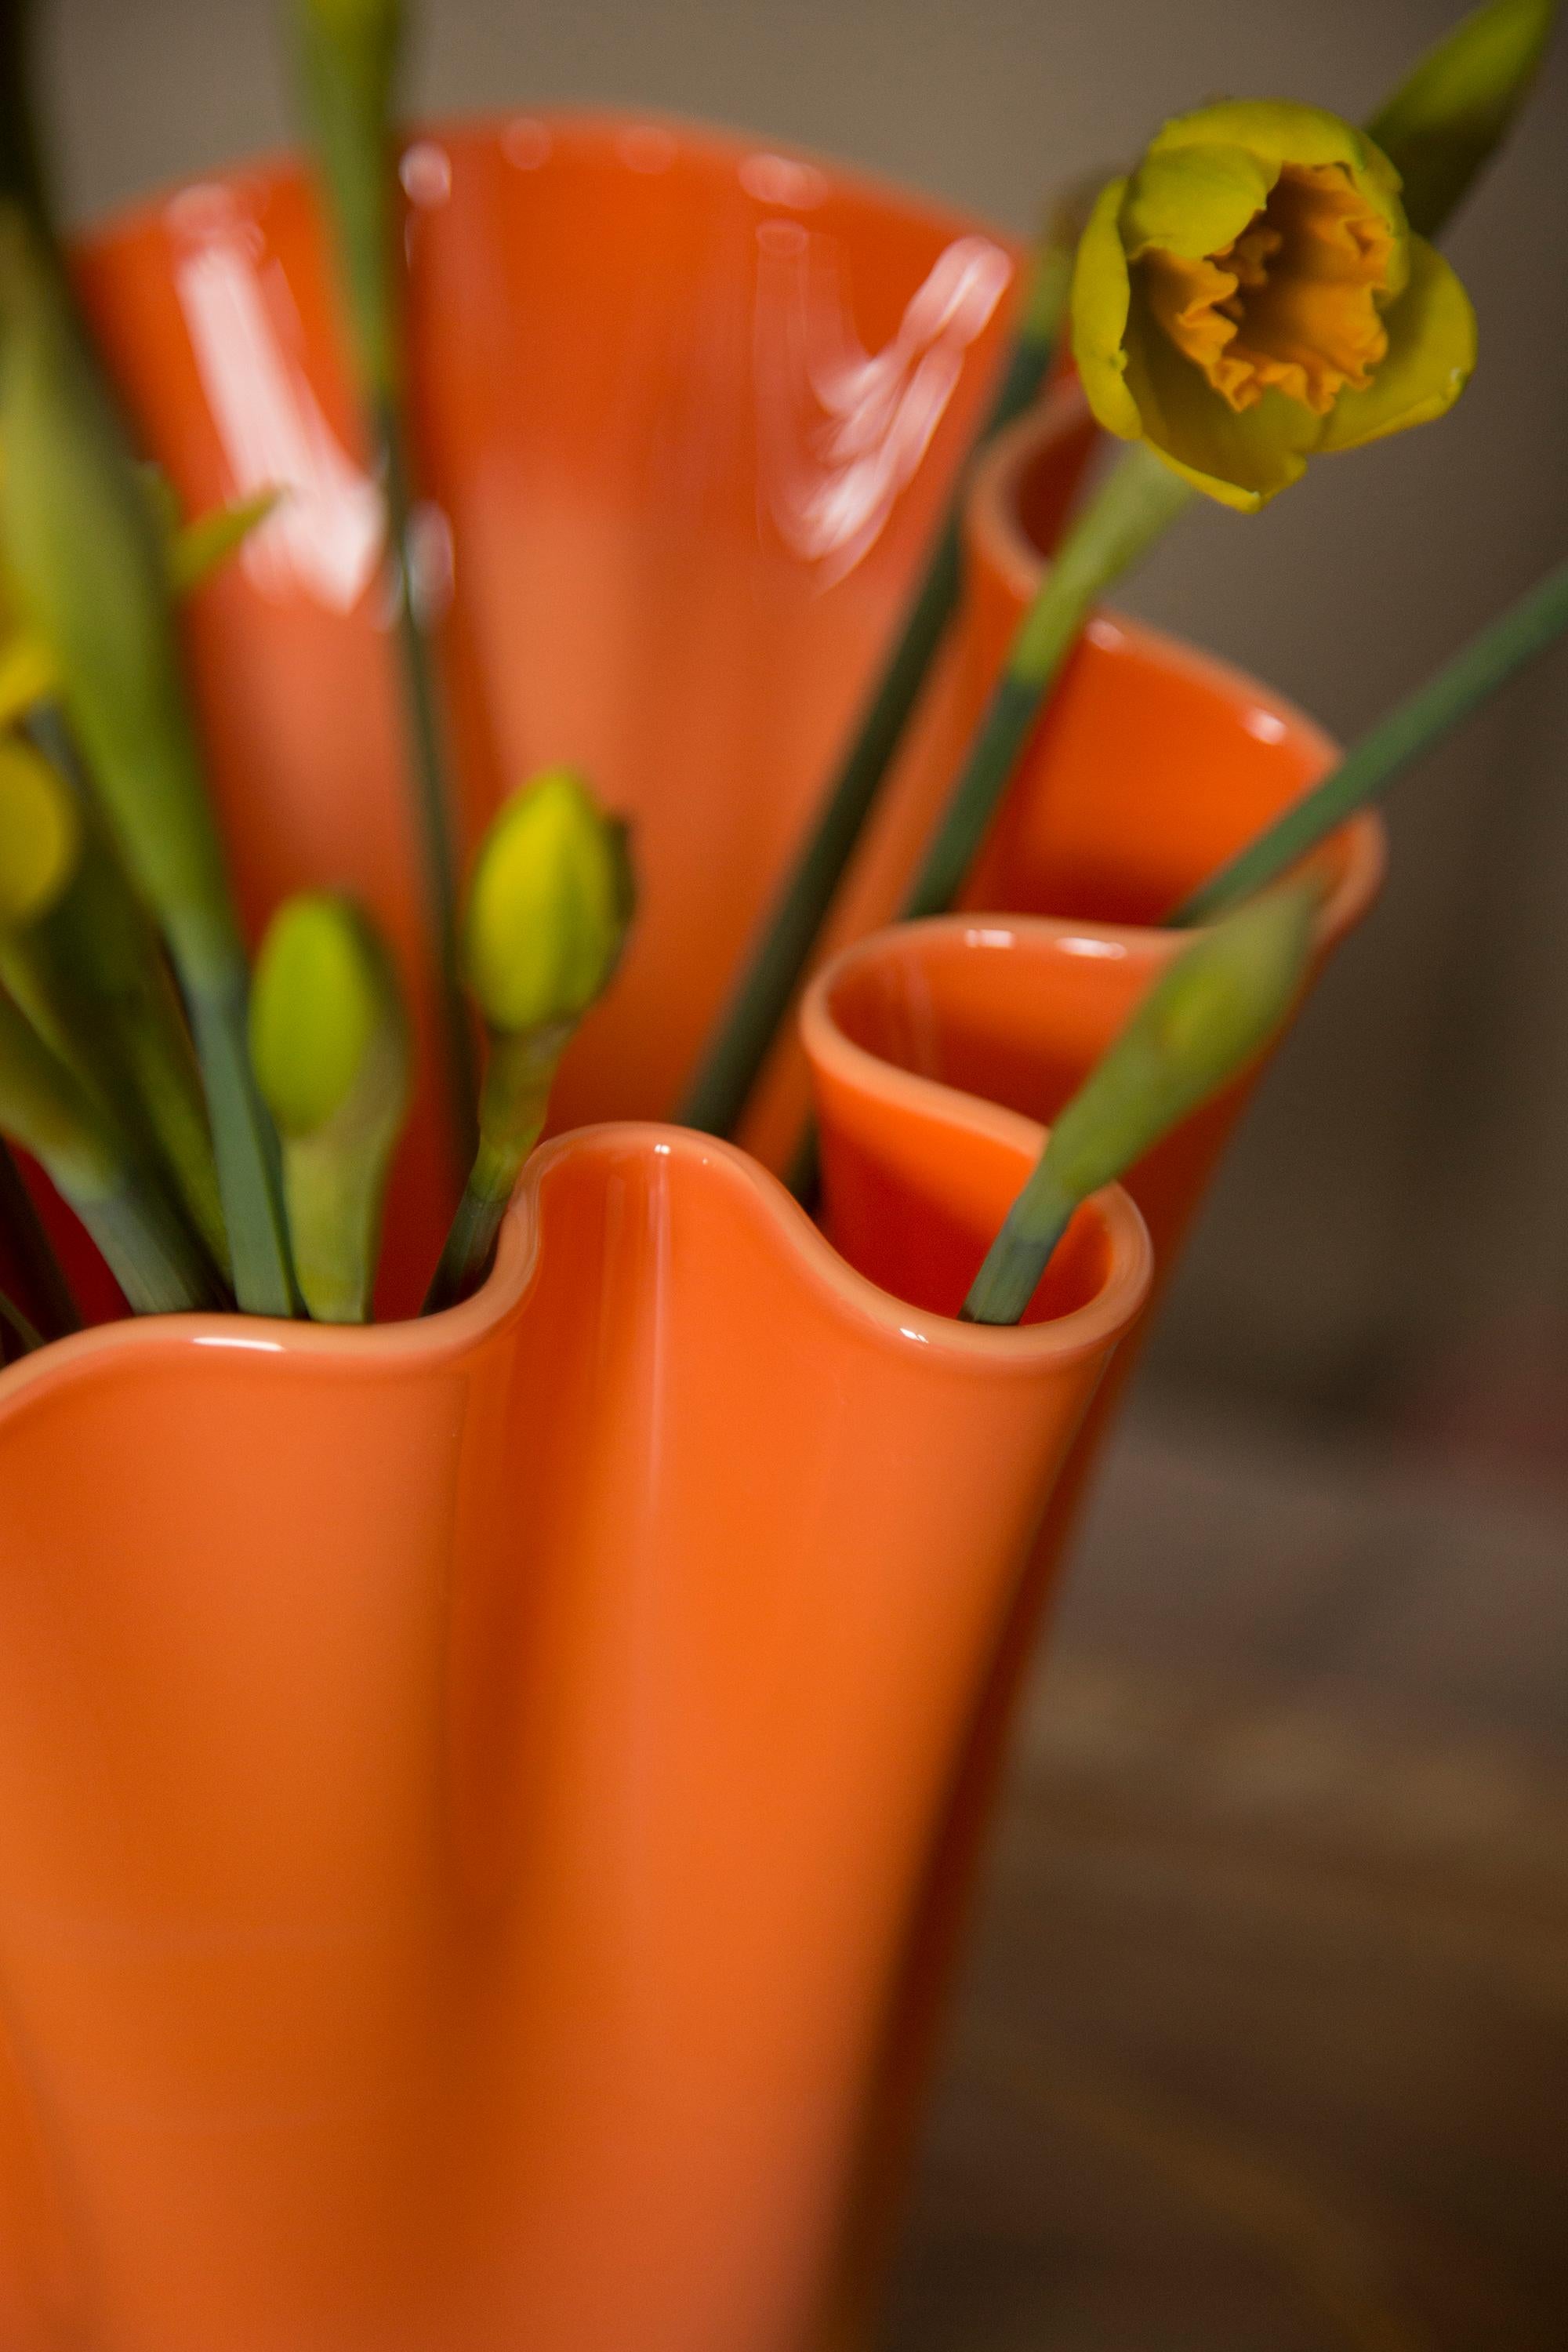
(485, 1805)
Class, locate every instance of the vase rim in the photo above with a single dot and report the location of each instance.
(997, 538)
(427, 1340)
(834, 1054)
(699, 140)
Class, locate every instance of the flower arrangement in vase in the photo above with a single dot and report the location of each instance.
(488, 1793)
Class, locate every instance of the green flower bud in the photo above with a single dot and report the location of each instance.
(40, 834)
(330, 1046)
(321, 995)
(549, 908)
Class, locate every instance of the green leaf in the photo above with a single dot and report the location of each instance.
(1444, 124)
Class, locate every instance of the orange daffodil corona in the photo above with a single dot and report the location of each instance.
(1253, 296)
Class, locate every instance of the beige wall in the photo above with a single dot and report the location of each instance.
(1401, 1183)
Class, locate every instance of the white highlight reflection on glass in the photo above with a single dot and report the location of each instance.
(1113, 950)
(1265, 725)
(842, 430)
(326, 536)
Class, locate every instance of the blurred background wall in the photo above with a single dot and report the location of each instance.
(1394, 1222)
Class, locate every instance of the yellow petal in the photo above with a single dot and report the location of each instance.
(1240, 458)
(1278, 131)
(1193, 199)
(1431, 352)
(1102, 292)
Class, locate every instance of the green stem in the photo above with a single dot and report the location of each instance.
(244, 1145)
(470, 1245)
(1474, 675)
(512, 1111)
(36, 1260)
(11, 1315)
(1138, 502)
(740, 1043)
(91, 976)
(147, 1250)
(1135, 505)
(1019, 1256)
(1208, 1015)
(432, 796)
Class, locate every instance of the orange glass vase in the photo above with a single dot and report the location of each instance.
(485, 1803)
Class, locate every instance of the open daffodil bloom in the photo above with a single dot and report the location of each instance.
(1253, 296)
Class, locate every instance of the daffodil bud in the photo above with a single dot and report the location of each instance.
(1443, 126)
(1252, 296)
(549, 907)
(40, 834)
(330, 1045)
(548, 913)
(1206, 1017)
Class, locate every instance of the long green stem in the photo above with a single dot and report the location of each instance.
(1474, 675)
(1208, 1015)
(1019, 1255)
(147, 1250)
(47, 1290)
(470, 1245)
(757, 1003)
(249, 1175)
(16, 1323)
(512, 1112)
(156, 1261)
(1137, 503)
(347, 60)
(90, 974)
(433, 800)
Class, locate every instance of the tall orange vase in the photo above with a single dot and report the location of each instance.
(485, 1805)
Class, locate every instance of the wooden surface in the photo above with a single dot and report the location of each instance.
(1265, 2046)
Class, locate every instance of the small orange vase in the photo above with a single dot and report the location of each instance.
(1153, 765)
(485, 1803)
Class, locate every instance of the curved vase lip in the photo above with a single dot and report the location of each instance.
(495, 125)
(999, 539)
(428, 1341)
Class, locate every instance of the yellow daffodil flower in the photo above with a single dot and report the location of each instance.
(1253, 296)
